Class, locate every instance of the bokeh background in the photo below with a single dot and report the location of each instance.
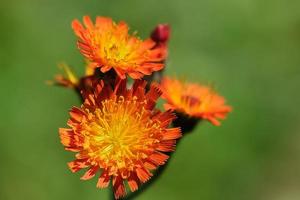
(248, 49)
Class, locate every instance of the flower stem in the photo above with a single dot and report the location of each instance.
(111, 193)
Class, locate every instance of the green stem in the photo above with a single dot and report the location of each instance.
(111, 192)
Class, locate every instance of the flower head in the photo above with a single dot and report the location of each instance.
(194, 100)
(118, 132)
(111, 46)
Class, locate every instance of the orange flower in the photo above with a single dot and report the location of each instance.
(111, 46)
(194, 100)
(118, 132)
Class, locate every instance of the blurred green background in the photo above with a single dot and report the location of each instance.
(248, 49)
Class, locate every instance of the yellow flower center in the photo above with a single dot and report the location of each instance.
(120, 133)
(117, 50)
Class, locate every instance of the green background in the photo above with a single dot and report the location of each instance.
(248, 49)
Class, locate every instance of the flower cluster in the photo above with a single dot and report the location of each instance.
(118, 132)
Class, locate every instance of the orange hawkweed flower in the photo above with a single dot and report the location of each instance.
(111, 46)
(194, 100)
(118, 132)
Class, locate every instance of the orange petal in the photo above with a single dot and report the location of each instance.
(214, 121)
(77, 27)
(165, 118)
(78, 164)
(154, 92)
(171, 134)
(105, 68)
(149, 165)
(76, 114)
(70, 140)
(153, 66)
(135, 75)
(143, 174)
(119, 188)
(158, 158)
(90, 173)
(167, 146)
(88, 22)
(158, 54)
(148, 44)
(120, 73)
(103, 180)
(65, 135)
(104, 23)
(133, 182)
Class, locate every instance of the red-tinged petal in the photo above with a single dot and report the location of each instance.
(145, 70)
(158, 54)
(65, 135)
(148, 44)
(105, 68)
(82, 155)
(138, 83)
(143, 174)
(88, 22)
(77, 27)
(70, 140)
(90, 173)
(76, 114)
(172, 134)
(135, 75)
(214, 121)
(103, 180)
(119, 188)
(158, 158)
(120, 73)
(133, 182)
(78, 164)
(90, 100)
(153, 66)
(149, 165)
(166, 147)
(122, 28)
(165, 118)
(104, 23)
(139, 93)
(73, 149)
(120, 88)
(84, 48)
(154, 93)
